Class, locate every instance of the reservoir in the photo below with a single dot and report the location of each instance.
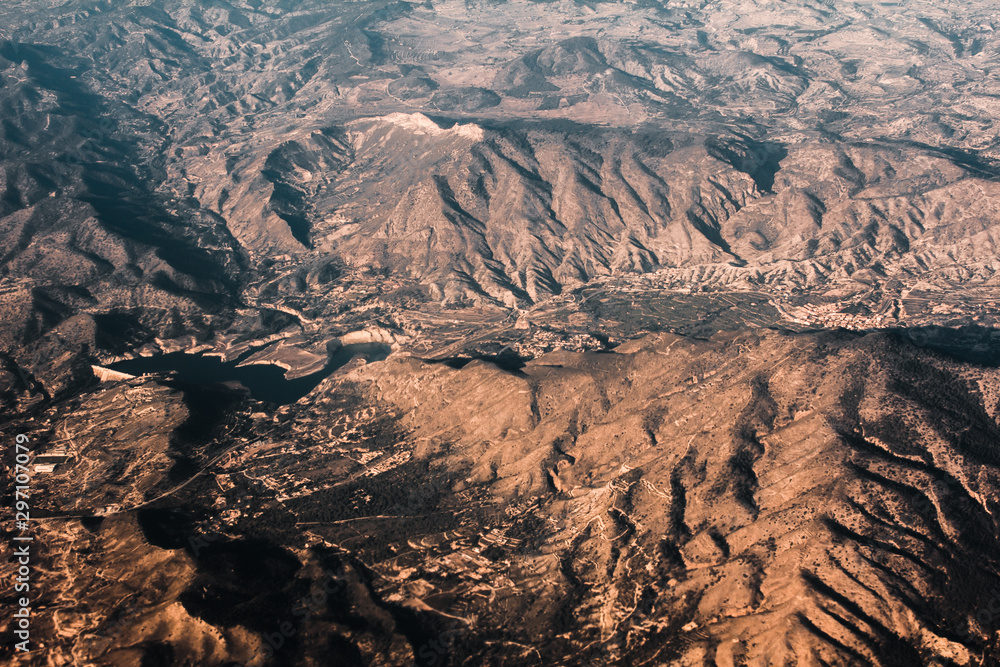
(264, 382)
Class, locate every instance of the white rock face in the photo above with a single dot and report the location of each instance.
(372, 335)
(418, 123)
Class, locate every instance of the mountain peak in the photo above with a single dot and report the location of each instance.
(418, 123)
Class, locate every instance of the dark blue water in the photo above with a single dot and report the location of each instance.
(265, 383)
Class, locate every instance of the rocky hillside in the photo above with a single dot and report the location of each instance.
(598, 260)
(176, 141)
(810, 499)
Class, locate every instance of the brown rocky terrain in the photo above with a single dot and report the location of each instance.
(162, 159)
(503, 333)
(753, 499)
